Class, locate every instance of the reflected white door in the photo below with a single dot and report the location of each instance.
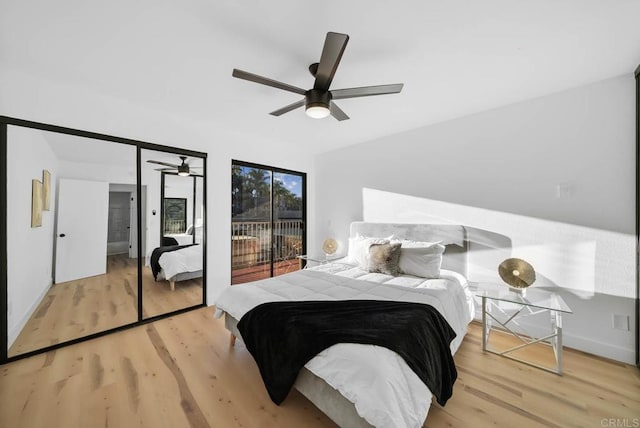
(82, 227)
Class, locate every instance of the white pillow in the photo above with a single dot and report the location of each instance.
(358, 252)
(407, 243)
(421, 259)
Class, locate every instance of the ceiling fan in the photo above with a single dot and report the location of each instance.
(183, 169)
(318, 101)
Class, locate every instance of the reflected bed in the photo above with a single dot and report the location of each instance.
(177, 263)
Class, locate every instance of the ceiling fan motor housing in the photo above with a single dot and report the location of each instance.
(317, 98)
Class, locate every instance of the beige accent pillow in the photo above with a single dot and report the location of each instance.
(359, 249)
(384, 258)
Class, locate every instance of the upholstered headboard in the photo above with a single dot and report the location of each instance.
(452, 236)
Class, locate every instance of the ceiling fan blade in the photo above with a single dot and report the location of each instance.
(163, 163)
(165, 169)
(287, 109)
(334, 46)
(266, 81)
(366, 91)
(337, 112)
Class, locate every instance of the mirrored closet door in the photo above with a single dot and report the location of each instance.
(86, 218)
(72, 259)
(172, 275)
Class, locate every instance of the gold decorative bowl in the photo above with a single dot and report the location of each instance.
(329, 246)
(517, 273)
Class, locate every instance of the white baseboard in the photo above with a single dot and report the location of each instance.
(607, 350)
(14, 331)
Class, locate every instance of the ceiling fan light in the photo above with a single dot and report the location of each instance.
(317, 103)
(319, 111)
(183, 173)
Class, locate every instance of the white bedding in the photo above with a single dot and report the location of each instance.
(187, 259)
(384, 390)
(181, 238)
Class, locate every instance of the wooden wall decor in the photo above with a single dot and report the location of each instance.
(36, 203)
(46, 190)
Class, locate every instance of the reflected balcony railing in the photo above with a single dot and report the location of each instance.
(252, 248)
(174, 226)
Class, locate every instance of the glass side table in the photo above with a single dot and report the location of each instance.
(503, 308)
(323, 259)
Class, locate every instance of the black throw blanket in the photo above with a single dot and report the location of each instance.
(157, 252)
(168, 241)
(284, 336)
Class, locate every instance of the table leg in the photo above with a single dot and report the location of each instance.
(484, 323)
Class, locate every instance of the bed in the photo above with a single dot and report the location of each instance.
(177, 263)
(340, 379)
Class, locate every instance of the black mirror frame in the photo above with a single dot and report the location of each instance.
(637, 76)
(4, 122)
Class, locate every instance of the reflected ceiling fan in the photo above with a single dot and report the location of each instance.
(318, 101)
(183, 169)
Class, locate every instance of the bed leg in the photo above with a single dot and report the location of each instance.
(173, 285)
(232, 340)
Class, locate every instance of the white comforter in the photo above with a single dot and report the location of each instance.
(384, 390)
(187, 259)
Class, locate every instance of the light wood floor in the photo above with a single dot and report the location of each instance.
(180, 372)
(262, 271)
(90, 305)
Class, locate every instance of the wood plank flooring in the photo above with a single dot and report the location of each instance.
(181, 372)
(90, 305)
(262, 271)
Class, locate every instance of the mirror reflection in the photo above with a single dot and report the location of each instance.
(173, 271)
(71, 237)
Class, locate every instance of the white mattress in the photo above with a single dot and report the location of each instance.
(187, 259)
(384, 390)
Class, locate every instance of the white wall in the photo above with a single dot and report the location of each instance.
(499, 171)
(61, 103)
(113, 174)
(30, 250)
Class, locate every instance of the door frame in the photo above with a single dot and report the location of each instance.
(273, 169)
(5, 121)
(637, 186)
(163, 176)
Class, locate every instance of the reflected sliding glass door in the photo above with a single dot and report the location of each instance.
(267, 221)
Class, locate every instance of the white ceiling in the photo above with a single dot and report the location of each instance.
(72, 148)
(455, 57)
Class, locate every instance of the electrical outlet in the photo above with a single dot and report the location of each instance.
(564, 191)
(620, 322)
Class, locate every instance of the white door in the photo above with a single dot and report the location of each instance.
(82, 227)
